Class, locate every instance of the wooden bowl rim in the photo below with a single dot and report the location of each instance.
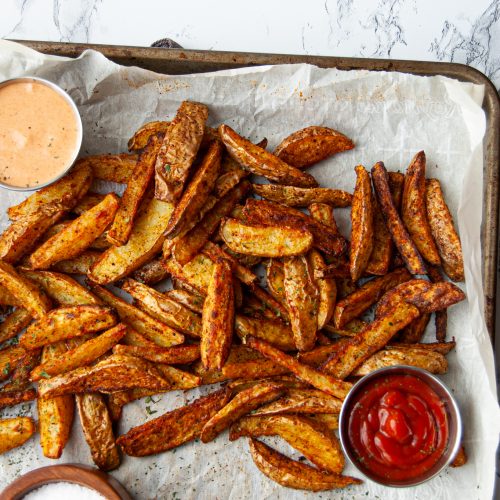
(83, 475)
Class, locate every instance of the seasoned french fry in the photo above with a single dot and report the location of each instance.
(329, 420)
(87, 202)
(14, 323)
(327, 289)
(178, 151)
(362, 224)
(243, 403)
(151, 273)
(79, 356)
(396, 185)
(276, 279)
(142, 135)
(14, 432)
(155, 330)
(414, 332)
(311, 145)
(218, 317)
(252, 369)
(135, 338)
(260, 162)
(321, 381)
(380, 258)
(287, 381)
(323, 213)
(443, 231)
(400, 236)
(20, 379)
(66, 323)
(7, 299)
(265, 241)
(174, 428)
(13, 398)
(98, 430)
(302, 197)
(171, 355)
(76, 237)
(440, 317)
(113, 168)
(302, 301)
(81, 264)
(9, 358)
(190, 300)
(320, 354)
(275, 332)
(196, 273)
(272, 305)
(413, 210)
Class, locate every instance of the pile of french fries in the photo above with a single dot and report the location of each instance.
(284, 355)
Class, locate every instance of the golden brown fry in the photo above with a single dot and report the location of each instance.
(274, 307)
(229, 179)
(13, 398)
(443, 231)
(302, 197)
(192, 301)
(367, 342)
(150, 273)
(320, 354)
(9, 358)
(362, 224)
(179, 380)
(325, 238)
(307, 436)
(155, 330)
(77, 236)
(115, 373)
(400, 236)
(243, 403)
(327, 289)
(396, 185)
(20, 379)
(98, 430)
(81, 355)
(87, 202)
(7, 299)
(142, 135)
(321, 381)
(265, 241)
(14, 432)
(275, 332)
(413, 210)
(174, 428)
(144, 243)
(275, 279)
(171, 355)
(252, 369)
(460, 458)
(364, 297)
(329, 420)
(302, 301)
(66, 323)
(113, 168)
(414, 332)
(135, 338)
(287, 381)
(218, 317)
(195, 274)
(178, 151)
(323, 213)
(66, 192)
(380, 258)
(80, 264)
(14, 323)
(311, 145)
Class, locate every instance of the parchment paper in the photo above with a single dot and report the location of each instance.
(390, 116)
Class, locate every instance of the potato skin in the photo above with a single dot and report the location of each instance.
(14, 432)
(113, 168)
(362, 224)
(142, 134)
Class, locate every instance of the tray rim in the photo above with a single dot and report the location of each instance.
(209, 60)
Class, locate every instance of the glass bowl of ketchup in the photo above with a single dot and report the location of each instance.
(400, 426)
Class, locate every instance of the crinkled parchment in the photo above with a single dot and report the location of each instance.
(390, 116)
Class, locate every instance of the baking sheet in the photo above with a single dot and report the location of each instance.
(390, 116)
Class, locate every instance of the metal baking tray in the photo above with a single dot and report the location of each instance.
(180, 61)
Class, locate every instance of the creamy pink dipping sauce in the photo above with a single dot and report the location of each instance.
(39, 134)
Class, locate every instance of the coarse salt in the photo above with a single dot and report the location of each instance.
(63, 491)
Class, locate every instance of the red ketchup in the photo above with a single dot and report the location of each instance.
(398, 427)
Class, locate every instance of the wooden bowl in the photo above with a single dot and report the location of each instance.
(83, 475)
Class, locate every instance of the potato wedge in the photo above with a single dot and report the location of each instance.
(14, 323)
(302, 301)
(323, 213)
(276, 279)
(327, 289)
(275, 332)
(396, 186)
(440, 317)
(311, 145)
(260, 162)
(242, 404)
(307, 436)
(364, 297)
(66, 192)
(380, 258)
(414, 212)
(174, 428)
(367, 342)
(55, 415)
(164, 309)
(320, 354)
(399, 234)
(170, 355)
(329, 420)
(362, 224)
(155, 330)
(322, 381)
(62, 289)
(20, 378)
(293, 474)
(275, 308)
(7, 299)
(150, 273)
(325, 238)
(178, 151)
(265, 241)
(229, 179)
(196, 193)
(114, 373)
(98, 430)
(252, 369)
(87, 202)
(10, 356)
(65, 323)
(414, 332)
(443, 231)
(179, 380)
(303, 401)
(121, 227)
(113, 168)
(144, 243)
(195, 274)
(13, 398)
(302, 197)
(25, 292)
(81, 355)
(81, 264)
(14, 432)
(287, 381)
(460, 458)
(134, 338)
(77, 237)
(142, 134)
(23, 234)
(193, 302)
(218, 317)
